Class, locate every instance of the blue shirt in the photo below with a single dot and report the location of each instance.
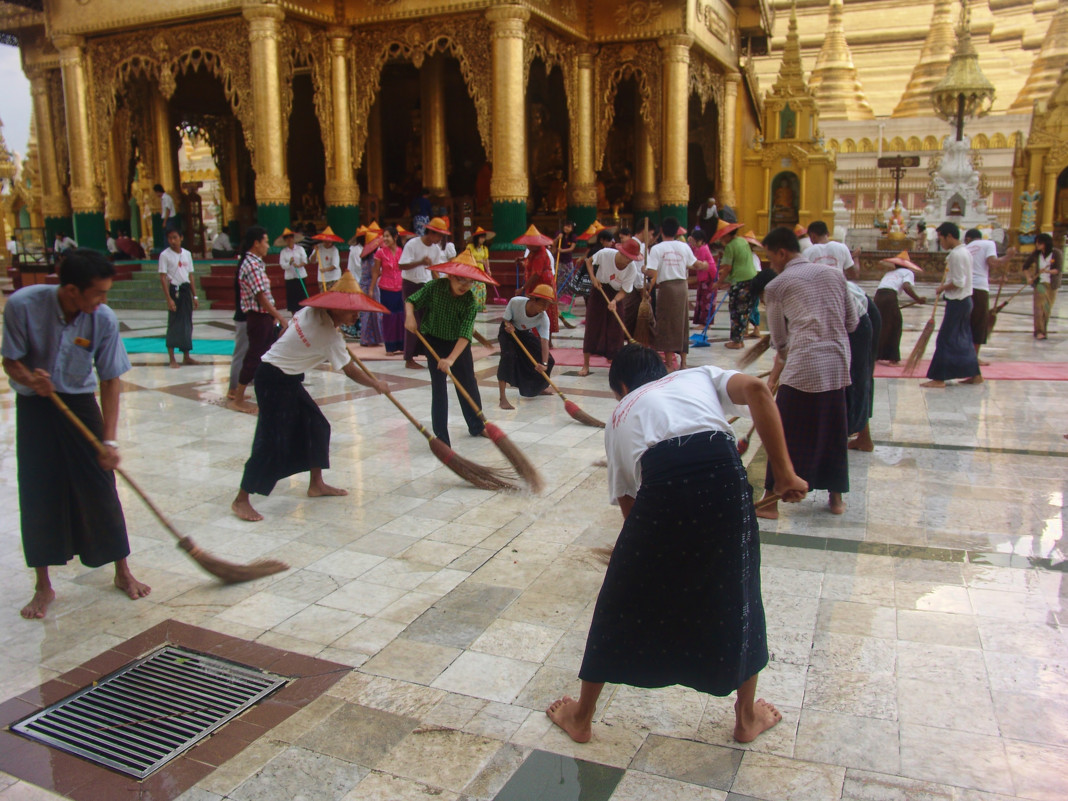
(37, 334)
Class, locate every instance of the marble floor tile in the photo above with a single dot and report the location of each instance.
(865, 743)
(518, 640)
(408, 660)
(440, 757)
(865, 620)
(687, 761)
(495, 678)
(1038, 772)
(771, 777)
(639, 786)
(937, 628)
(862, 785)
(358, 734)
(297, 772)
(386, 787)
(968, 707)
(973, 761)
(670, 711)
(865, 695)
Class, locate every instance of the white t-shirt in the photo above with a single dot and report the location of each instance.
(292, 261)
(895, 279)
(981, 250)
(860, 300)
(166, 206)
(308, 341)
(221, 241)
(415, 250)
(177, 266)
(516, 313)
(109, 243)
(804, 242)
(670, 260)
(354, 264)
(833, 253)
(604, 267)
(330, 266)
(959, 262)
(1044, 264)
(684, 402)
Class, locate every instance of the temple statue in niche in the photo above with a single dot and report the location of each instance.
(787, 123)
(1029, 214)
(546, 156)
(784, 199)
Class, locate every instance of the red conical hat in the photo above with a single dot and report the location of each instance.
(465, 266)
(281, 240)
(345, 296)
(722, 229)
(480, 231)
(371, 246)
(591, 232)
(402, 231)
(533, 238)
(328, 235)
(902, 260)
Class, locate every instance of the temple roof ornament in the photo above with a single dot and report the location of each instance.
(963, 91)
(834, 81)
(791, 80)
(934, 59)
(1047, 65)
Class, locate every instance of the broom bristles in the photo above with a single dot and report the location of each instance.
(755, 352)
(230, 572)
(478, 475)
(921, 346)
(577, 414)
(518, 459)
(991, 319)
(743, 445)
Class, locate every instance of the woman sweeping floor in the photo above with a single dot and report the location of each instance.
(899, 279)
(680, 603)
(292, 434)
(527, 318)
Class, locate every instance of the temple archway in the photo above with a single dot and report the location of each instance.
(703, 151)
(615, 178)
(548, 138)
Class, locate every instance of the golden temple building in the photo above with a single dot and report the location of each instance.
(339, 109)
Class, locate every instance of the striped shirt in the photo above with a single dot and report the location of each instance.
(252, 279)
(446, 316)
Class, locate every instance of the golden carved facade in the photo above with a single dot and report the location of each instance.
(1042, 165)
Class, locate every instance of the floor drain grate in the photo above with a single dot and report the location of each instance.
(150, 711)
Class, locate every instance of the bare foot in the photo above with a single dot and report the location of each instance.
(504, 404)
(764, 717)
(836, 504)
(411, 364)
(547, 391)
(563, 714)
(734, 345)
(174, 365)
(244, 510)
(133, 588)
(189, 360)
(862, 442)
(934, 384)
(984, 363)
(243, 406)
(975, 379)
(38, 605)
(1040, 336)
(322, 490)
(585, 371)
(769, 512)
(231, 394)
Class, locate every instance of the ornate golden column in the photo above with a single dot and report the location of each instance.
(54, 202)
(1049, 198)
(582, 186)
(645, 201)
(376, 181)
(675, 70)
(85, 198)
(272, 182)
(116, 209)
(725, 193)
(166, 166)
(432, 108)
(509, 187)
(342, 191)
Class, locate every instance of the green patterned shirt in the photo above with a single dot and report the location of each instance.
(446, 315)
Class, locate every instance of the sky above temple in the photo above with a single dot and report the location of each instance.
(15, 103)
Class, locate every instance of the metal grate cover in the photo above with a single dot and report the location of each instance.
(147, 713)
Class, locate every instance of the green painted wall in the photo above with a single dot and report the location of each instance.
(582, 216)
(509, 222)
(54, 225)
(90, 231)
(343, 220)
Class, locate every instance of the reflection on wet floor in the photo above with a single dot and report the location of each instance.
(552, 777)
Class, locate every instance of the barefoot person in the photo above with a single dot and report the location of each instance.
(955, 355)
(736, 272)
(54, 339)
(1043, 270)
(901, 278)
(176, 278)
(615, 269)
(680, 603)
(292, 434)
(810, 316)
(528, 318)
(984, 255)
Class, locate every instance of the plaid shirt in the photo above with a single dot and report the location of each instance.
(810, 316)
(252, 279)
(447, 316)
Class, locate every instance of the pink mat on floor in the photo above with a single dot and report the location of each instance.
(378, 353)
(572, 357)
(998, 371)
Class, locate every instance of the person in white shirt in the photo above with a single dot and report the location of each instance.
(63, 243)
(668, 268)
(113, 249)
(329, 259)
(420, 253)
(221, 245)
(293, 261)
(984, 255)
(292, 434)
(825, 250)
(614, 271)
(802, 237)
(526, 317)
(954, 355)
(899, 279)
(681, 601)
(176, 278)
(167, 210)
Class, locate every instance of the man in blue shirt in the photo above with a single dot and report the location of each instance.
(54, 338)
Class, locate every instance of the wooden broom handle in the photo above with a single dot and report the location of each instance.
(459, 387)
(626, 333)
(394, 401)
(527, 353)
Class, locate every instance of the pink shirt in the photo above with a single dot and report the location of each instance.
(391, 278)
(712, 273)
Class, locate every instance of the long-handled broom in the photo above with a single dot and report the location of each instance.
(571, 407)
(556, 262)
(476, 474)
(921, 343)
(519, 461)
(226, 572)
(755, 352)
(993, 317)
(626, 333)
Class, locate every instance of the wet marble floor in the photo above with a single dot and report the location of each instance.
(918, 641)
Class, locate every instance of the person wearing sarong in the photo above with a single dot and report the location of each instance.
(901, 278)
(294, 262)
(539, 272)
(681, 602)
(447, 323)
(613, 270)
(261, 316)
(706, 278)
(64, 340)
(860, 394)
(292, 433)
(480, 253)
(1043, 268)
(240, 342)
(810, 316)
(736, 273)
(370, 322)
(420, 253)
(176, 278)
(668, 268)
(390, 290)
(954, 355)
(527, 318)
(984, 255)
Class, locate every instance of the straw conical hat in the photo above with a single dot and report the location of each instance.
(281, 240)
(902, 260)
(345, 296)
(371, 246)
(480, 231)
(722, 229)
(465, 266)
(542, 292)
(594, 229)
(533, 238)
(328, 235)
(438, 225)
(402, 231)
(751, 238)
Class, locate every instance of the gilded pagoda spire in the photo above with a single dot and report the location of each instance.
(791, 80)
(934, 59)
(1046, 67)
(834, 81)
